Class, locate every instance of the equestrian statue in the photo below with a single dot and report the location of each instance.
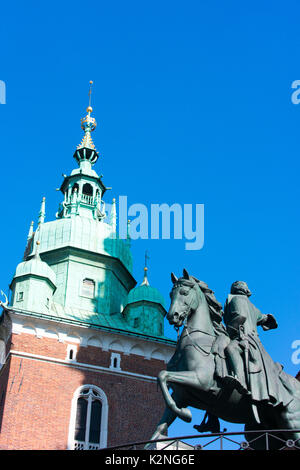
(221, 366)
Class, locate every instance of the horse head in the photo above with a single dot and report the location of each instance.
(185, 298)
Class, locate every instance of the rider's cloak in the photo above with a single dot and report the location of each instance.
(265, 378)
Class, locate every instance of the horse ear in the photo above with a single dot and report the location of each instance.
(186, 274)
(174, 278)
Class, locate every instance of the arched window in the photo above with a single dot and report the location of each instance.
(71, 352)
(74, 193)
(88, 424)
(75, 188)
(87, 193)
(87, 189)
(115, 361)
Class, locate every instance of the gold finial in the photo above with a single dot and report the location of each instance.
(89, 108)
(88, 124)
(145, 280)
(38, 242)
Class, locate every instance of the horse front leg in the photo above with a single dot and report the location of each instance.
(186, 378)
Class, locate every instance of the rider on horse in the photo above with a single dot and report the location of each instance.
(241, 360)
(252, 370)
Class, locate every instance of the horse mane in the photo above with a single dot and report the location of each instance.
(215, 307)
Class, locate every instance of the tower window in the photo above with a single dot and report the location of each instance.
(88, 419)
(87, 194)
(88, 288)
(81, 415)
(87, 189)
(71, 352)
(88, 426)
(115, 361)
(20, 296)
(75, 188)
(136, 322)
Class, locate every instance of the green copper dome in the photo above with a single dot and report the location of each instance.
(85, 234)
(145, 292)
(145, 308)
(35, 267)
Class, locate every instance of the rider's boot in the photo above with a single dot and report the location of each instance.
(236, 377)
(211, 425)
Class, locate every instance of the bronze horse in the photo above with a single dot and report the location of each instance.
(194, 371)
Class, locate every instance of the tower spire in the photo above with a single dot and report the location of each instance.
(90, 97)
(113, 217)
(86, 150)
(30, 233)
(83, 189)
(145, 280)
(42, 212)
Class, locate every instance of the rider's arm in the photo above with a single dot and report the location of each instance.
(268, 322)
(237, 313)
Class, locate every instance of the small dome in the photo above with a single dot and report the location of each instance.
(36, 267)
(145, 293)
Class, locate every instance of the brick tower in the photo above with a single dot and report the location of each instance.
(80, 345)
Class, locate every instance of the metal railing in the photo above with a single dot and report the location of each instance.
(87, 199)
(263, 439)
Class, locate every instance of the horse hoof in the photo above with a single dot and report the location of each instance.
(152, 445)
(186, 415)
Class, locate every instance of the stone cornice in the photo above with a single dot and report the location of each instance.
(83, 335)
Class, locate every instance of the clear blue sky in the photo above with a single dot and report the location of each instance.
(193, 103)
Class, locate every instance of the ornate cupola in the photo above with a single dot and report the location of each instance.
(145, 308)
(86, 152)
(83, 190)
(34, 283)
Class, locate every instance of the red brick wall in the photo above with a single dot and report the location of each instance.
(37, 395)
(87, 355)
